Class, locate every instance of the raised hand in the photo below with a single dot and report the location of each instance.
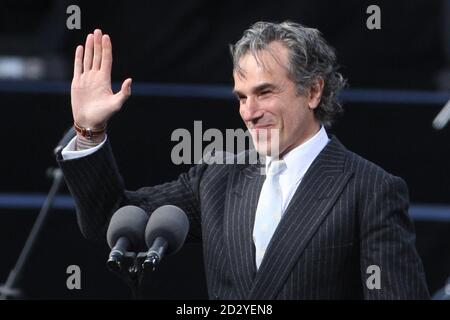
(93, 101)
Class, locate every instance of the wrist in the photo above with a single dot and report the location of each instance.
(89, 137)
(83, 143)
(89, 132)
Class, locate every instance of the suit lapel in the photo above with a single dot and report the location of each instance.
(242, 196)
(312, 201)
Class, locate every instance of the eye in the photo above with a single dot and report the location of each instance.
(241, 98)
(265, 93)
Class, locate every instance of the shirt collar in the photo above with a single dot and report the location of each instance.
(299, 159)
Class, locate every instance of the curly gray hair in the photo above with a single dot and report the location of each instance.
(310, 58)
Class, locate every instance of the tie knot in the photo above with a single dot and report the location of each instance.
(276, 167)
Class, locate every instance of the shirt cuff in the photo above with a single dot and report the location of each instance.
(69, 152)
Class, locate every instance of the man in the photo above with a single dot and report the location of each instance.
(322, 224)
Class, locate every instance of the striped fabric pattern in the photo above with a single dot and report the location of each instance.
(346, 215)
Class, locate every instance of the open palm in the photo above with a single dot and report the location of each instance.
(93, 101)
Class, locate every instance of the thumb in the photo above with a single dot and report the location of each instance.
(125, 91)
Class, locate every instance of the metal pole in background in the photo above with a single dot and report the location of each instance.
(10, 289)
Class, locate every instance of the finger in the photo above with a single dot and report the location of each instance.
(88, 52)
(125, 91)
(106, 64)
(78, 63)
(97, 49)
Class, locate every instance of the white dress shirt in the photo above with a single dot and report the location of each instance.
(69, 151)
(298, 161)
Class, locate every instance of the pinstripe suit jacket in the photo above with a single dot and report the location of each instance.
(346, 215)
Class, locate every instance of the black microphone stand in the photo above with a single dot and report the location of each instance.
(10, 289)
(131, 269)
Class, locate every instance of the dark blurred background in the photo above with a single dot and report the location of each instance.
(399, 79)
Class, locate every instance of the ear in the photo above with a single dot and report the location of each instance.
(315, 93)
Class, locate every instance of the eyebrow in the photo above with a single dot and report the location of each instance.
(257, 89)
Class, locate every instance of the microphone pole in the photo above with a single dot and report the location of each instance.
(10, 289)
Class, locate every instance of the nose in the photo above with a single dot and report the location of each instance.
(250, 110)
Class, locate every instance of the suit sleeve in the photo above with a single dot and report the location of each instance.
(388, 245)
(98, 190)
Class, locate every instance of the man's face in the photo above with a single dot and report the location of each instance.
(269, 102)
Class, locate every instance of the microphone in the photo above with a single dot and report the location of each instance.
(165, 233)
(125, 233)
(70, 133)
